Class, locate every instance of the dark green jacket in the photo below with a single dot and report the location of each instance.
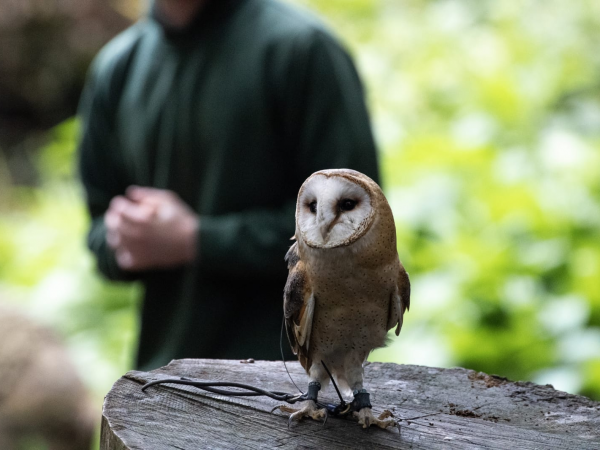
(233, 114)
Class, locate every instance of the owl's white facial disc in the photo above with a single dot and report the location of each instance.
(333, 211)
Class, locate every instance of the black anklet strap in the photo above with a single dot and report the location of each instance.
(361, 400)
(313, 391)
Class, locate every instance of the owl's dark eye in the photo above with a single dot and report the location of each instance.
(313, 207)
(347, 204)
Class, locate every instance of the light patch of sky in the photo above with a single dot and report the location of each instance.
(535, 80)
(561, 150)
(388, 132)
(552, 18)
(521, 290)
(395, 24)
(13, 295)
(450, 16)
(443, 74)
(568, 200)
(543, 254)
(85, 350)
(429, 203)
(513, 165)
(58, 291)
(417, 344)
(372, 63)
(484, 51)
(474, 130)
(435, 289)
(579, 345)
(565, 314)
(585, 115)
(566, 379)
(399, 94)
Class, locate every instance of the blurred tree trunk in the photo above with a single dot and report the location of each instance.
(46, 47)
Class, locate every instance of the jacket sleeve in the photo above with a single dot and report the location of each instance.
(320, 106)
(99, 167)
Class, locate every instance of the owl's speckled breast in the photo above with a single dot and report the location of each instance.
(351, 301)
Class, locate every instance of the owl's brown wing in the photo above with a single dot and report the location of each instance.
(400, 300)
(298, 307)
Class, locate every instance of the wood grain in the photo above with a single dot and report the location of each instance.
(472, 411)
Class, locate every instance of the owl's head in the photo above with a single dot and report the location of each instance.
(335, 207)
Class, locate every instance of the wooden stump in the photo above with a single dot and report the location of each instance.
(468, 410)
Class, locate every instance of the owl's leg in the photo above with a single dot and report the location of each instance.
(309, 409)
(362, 403)
(317, 375)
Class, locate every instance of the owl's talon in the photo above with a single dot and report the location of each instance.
(284, 408)
(309, 410)
(366, 419)
(385, 414)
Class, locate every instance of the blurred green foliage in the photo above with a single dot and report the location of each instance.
(45, 267)
(488, 118)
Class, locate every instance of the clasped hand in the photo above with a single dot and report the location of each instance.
(151, 228)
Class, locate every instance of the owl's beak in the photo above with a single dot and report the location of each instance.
(324, 229)
(326, 223)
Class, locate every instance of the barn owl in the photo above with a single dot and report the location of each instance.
(346, 285)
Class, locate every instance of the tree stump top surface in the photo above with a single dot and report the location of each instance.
(469, 410)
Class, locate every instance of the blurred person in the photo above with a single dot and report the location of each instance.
(41, 395)
(200, 124)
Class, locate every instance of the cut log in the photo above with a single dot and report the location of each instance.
(436, 408)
